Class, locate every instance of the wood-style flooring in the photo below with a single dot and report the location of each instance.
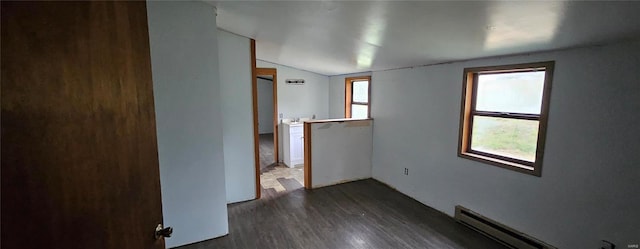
(361, 214)
(267, 157)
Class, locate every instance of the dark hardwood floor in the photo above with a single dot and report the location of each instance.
(362, 214)
(266, 150)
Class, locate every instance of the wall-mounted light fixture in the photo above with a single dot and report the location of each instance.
(294, 81)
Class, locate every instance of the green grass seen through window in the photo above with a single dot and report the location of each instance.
(513, 138)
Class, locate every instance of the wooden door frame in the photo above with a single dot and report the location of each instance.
(256, 136)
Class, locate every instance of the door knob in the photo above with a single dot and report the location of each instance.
(163, 232)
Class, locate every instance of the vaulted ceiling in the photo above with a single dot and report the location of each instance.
(339, 37)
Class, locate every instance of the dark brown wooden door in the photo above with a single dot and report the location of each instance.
(79, 154)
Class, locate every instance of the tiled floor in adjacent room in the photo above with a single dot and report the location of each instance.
(275, 178)
(280, 178)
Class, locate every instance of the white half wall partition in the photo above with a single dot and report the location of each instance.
(186, 87)
(337, 151)
(237, 116)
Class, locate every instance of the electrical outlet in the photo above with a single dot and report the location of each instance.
(406, 171)
(607, 245)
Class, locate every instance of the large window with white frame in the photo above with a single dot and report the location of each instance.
(504, 115)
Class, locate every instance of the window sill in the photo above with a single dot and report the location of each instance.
(526, 169)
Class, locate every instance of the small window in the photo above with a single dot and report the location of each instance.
(504, 115)
(357, 101)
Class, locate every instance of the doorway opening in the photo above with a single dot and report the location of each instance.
(265, 109)
(273, 178)
(266, 126)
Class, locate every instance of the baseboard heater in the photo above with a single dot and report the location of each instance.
(497, 231)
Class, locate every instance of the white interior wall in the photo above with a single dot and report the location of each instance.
(265, 106)
(340, 152)
(589, 185)
(186, 85)
(336, 93)
(295, 101)
(301, 100)
(237, 116)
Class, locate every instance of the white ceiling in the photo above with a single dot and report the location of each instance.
(336, 37)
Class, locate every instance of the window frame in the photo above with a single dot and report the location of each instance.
(467, 113)
(348, 96)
